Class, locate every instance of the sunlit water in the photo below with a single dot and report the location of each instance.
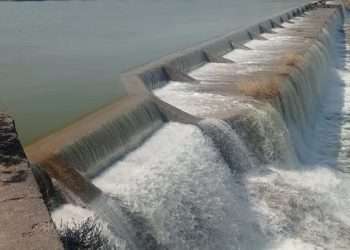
(60, 60)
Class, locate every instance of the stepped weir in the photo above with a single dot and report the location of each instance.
(238, 143)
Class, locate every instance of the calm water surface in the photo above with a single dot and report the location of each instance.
(61, 60)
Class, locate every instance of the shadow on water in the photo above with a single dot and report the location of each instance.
(301, 204)
(333, 113)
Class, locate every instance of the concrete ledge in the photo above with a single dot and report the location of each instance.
(24, 218)
(154, 75)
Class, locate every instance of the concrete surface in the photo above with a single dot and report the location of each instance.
(24, 218)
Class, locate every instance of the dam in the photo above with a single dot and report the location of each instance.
(241, 142)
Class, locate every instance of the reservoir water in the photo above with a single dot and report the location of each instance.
(61, 59)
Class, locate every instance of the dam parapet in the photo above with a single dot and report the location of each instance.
(24, 218)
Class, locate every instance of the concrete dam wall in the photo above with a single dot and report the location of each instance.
(166, 166)
(91, 144)
(25, 221)
(141, 82)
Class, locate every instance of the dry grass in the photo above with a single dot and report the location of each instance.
(346, 4)
(292, 59)
(262, 88)
(267, 85)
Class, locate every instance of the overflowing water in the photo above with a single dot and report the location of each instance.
(114, 139)
(265, 171)
(186, 192)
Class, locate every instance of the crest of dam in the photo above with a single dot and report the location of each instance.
(209, 139)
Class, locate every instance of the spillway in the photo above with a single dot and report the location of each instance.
(239, 143)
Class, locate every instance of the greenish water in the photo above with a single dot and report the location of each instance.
(61, 60)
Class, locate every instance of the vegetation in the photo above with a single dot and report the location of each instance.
(86, 235)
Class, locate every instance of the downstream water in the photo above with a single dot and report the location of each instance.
(275, 178)
(60, 60)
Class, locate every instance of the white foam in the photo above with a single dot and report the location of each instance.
(318, 179)
(296, 244)
(185, 97)
(69, 214)
(179, 183)
(304, 204)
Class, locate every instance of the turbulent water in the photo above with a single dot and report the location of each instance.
(258, 181)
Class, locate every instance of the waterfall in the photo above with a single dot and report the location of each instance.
(186, 192)
(265, 134)
(95, 152)
(228, 143)
(260, 170)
